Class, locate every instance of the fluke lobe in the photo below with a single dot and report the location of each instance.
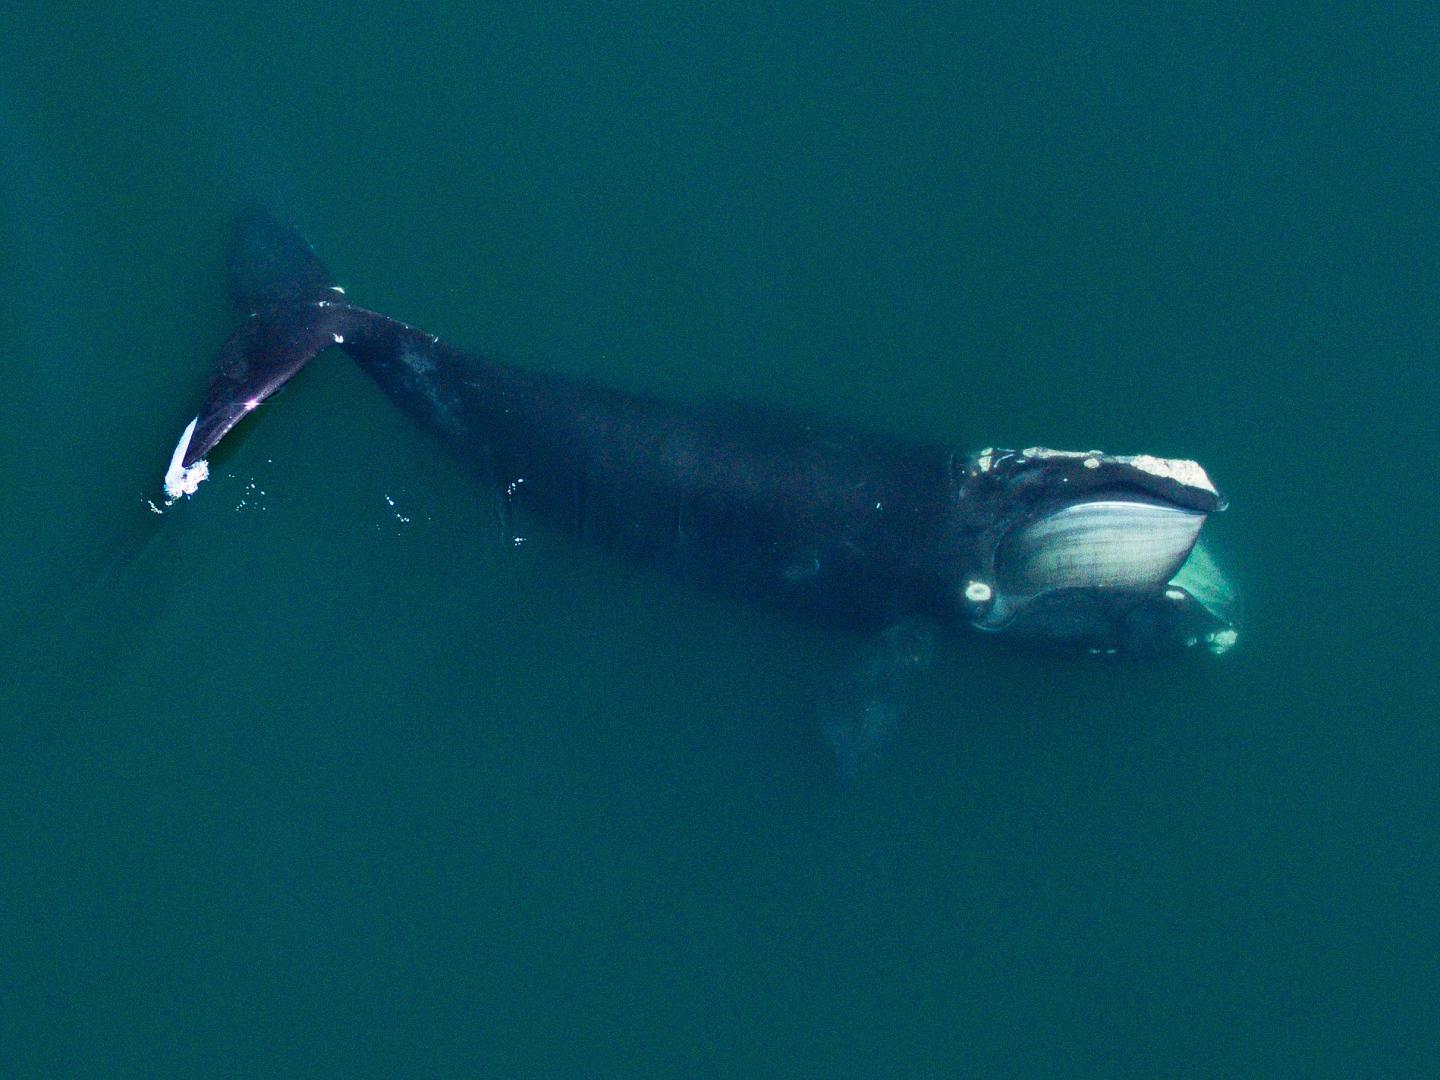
(1080, 551)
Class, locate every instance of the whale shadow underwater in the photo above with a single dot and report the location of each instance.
(1069, 551)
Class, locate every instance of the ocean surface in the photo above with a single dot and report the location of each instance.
(321, 773)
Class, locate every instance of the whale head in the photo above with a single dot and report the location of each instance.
(1094, 553)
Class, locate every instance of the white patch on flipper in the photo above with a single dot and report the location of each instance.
(178, 479)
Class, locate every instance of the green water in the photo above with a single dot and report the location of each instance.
(294, 781)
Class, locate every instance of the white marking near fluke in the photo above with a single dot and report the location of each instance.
(180, 480)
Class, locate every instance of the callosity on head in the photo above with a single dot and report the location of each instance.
(1094, 552)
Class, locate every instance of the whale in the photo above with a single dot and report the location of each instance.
(1071, 551)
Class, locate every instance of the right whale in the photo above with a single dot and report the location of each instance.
(1071, 550)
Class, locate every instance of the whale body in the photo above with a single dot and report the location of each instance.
(1080, 551)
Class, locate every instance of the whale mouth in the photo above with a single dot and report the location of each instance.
(1102, 543)
(1114, 567)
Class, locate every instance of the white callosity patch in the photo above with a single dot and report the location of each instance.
(1043, 452)
(977, 592)
(180, 480)
(1187, 473)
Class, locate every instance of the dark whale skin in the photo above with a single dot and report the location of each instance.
(769, 506)
(866, 528)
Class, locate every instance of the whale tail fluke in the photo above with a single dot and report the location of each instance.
(270, 264)
(295, 311)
